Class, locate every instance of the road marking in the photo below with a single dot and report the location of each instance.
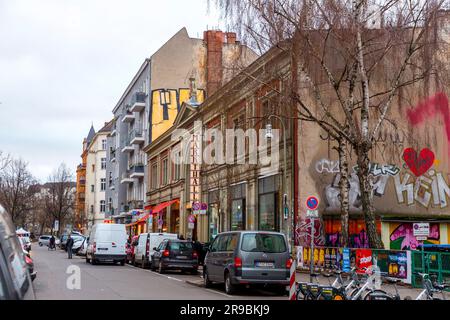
(158, 274)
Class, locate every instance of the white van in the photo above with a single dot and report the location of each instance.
(107, 243)
(146, 243)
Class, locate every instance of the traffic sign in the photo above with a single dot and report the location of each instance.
(312, 203)
(191, 218)
(312, 213)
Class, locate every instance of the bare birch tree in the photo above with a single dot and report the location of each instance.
(352, 57)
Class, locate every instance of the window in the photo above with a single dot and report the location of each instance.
(103, 163)
(102, 184)
(92, 209)
(267, 243)
(102, 206)
(103, 144)
(93, 168)
(165, 172)
(110, 179)
(154, 181)
(92, 188)
(177, 168)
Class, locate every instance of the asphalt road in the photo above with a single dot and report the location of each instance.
(115, 282)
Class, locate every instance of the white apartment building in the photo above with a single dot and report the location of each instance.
(95, 205)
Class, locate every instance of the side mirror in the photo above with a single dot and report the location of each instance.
(155, 249)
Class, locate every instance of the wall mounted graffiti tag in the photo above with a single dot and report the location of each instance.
(418, 163)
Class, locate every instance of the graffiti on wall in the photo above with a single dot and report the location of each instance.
(356, 232)
(380, 176)
(418, 163)
(434, 106)
(165, 106)
(303, 232)
(402, 236)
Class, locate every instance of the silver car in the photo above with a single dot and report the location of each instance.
(241, 258)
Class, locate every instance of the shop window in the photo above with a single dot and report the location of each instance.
(268, 203)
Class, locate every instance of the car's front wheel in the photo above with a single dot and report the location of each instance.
(40, 244)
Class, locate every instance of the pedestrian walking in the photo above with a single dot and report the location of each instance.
(52, 243)
(69, 245)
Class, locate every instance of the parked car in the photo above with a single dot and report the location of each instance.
(107, 243)
(248, 258)
(44, 240)
(175, 254)
(82, 250)
(130, 249)
(30, 264)
(15, 280)
(74, 235)
(77, 242)
(144, 249)
(25, 245)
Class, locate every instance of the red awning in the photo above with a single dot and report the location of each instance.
(156, 209)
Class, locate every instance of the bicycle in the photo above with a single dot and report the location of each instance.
(430, 288)
(379, 294)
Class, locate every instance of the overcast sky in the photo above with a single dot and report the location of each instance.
(65, 63)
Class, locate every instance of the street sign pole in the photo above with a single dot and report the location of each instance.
(311, 254)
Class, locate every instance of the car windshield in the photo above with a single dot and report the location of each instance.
(180, 246)
(263, 242)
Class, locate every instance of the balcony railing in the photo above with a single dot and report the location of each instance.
(138, 102)
(136, 204)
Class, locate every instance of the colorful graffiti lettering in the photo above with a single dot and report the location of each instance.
(418, 164)
(402, 238)
(328, 166)
(436, 105)
(426, 189)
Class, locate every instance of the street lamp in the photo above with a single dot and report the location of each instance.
(269, 134)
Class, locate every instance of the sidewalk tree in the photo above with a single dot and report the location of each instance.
(59, 200)
(16, 192)
(350, 62)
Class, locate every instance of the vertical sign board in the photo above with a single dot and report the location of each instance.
(195, 163)
(346, 260)
(56, 226)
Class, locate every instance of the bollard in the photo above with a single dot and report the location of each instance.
(292, 285)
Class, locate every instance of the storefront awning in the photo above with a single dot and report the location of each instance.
(156, 209)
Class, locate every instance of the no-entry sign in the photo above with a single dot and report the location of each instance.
(312, 203)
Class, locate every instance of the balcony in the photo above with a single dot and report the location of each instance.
(137, 171)
(128, 117)
(138, 102)
(127, 147)
(112, 154)
(126, 178)
(137, 137)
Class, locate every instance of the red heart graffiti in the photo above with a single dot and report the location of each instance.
(418, 164)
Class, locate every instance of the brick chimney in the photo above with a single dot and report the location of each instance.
(214, 69)
(231, 37)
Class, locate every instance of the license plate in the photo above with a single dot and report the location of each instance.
(262, 264)
(182, 257)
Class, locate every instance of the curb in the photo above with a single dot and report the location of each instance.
(195, 283)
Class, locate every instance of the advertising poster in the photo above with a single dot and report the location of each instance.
(363, 259)
(346, 260)
(398, 265)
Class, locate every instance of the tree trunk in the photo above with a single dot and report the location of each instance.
(367, 198)
(344, 188)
